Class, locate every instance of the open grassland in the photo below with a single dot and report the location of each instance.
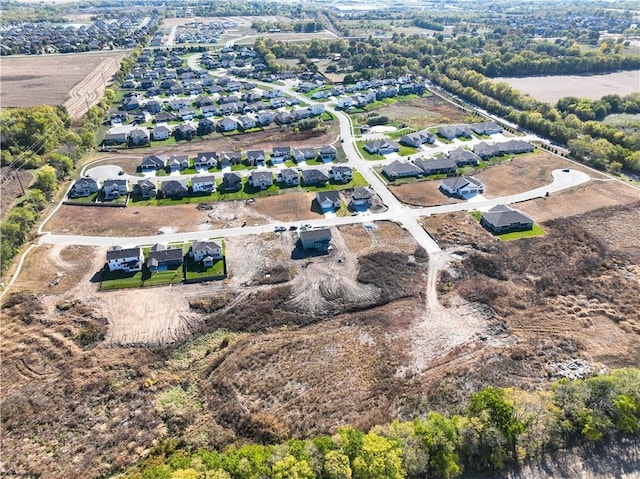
(552, 88)
(72, 80)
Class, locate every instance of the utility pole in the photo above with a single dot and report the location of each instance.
(20, 182)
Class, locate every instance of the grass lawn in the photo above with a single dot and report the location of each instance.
(162, 172)
(394, 135)
(406, 150)
(535, 231)
(120, 280)
(169, 141)
(196, 270)
(476, 215)
(85, 199)
(241, 166)
(122, 200)
(171, 276)
(365, 154)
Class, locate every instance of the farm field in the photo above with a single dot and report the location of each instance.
(552, 88)
(71, 80)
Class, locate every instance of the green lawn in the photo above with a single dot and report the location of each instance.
(120, 280)
(406, 150)
(475, 214)
(169, 141)
(196, 270)
(172, 276)
(86, 199)
(535, 231)
(365, 154)
(394, 135)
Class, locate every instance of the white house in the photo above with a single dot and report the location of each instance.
(161, 132)
(462, 186)
(341, 173)
(203, 183)
(261, 179)
(125, 259)
(206, 251)
(317, 109)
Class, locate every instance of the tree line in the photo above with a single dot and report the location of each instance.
(499, 429)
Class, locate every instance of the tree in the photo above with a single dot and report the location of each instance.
(379, 459)
(292, 468)
(439, 436)
(336, 466)
(46, 180)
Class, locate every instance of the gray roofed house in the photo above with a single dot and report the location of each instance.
(83, 187)
(400, 169)
(381, 147)
(206, 251)
(302, 154)
(115, 138)
(186, 131)
(437, 166)
(125, 259)
(145, 188)
(361, 197)
(464, 157)
(279, 154)
(153, 162)
(486, 128)
(453, 131)
(318, 238)
(203, 183)
(114, 189)
(328, 200)
(161, 258)
(161, 132)
(256, 157)
(174, 188)
(417, 138)
(328, 153)
(314, 177)
(231, 182)
(178, 162)
(462, 186)
(341, 173)
(229, 158)
(288, 176)
(502, 219)
(261, 179)
(207, 159)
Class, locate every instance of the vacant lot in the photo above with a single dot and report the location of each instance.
(422, 193)
(72, 79)
(12, 189)
(552, 88)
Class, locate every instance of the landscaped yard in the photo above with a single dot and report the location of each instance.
(171, 276)
(196, 270)
(535, 231)
(85, 199)
(365, 154)
(120, 280)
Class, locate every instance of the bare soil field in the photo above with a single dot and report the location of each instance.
(423, 112)
(422, 193)
(552, 88)
(581, 199)
(523, 173)
(287, 207)
(12, 190)
(71, 80)
(457, 229)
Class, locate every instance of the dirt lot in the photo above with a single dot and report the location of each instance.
(71, 79)
(422, 193)
(12, 190)
(423, 112)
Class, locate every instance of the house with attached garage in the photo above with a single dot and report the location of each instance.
(187, 114)
(461, 186)
(436, 166)
(206, 251)
(303, 154)
(229, 158)
(129, 260)
(343, 174)
(138, 137)
(314, 177)
(206, 160)
(206, 126)
(502, 219)
(165, 117)
(464, 157)
(288, 176)
(153, 107)
(454, 131)
(161, 132)
(328, 200)
(174, 188)
(231, 182)
(145, 188)
(283, 118)
(178, 162)
(486, 128)
(328, 153)
(153, 162)
(279, 154)
(318, 239)
(246, 122)
(261, 179)
(256, 158)
(179, 104)
(208, 111)
(203, 183)
(265, 118)
(163, 258)
(227, 124)
(400, 169)
(185, 132)
(83, 187)
(317, 109)
(114, 189)
(361, 198)
(118, 138)
(381, 147)
(417, 139)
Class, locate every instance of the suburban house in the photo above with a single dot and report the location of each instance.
(361, 198)
(153, 107)
(83, 187)
(206, 126)
(288, 176)
(231, 182)
(129, 260)
(114, 189)
(401, 169)
(165, 117)
(145, 188)
(318, 239)
(161, 132)
(206, 251)
(138, 137)
(279, 154)
(417, 139)
(229, 158)
(246, 122)
(328, 153)
(185, 132)
(314, 177)
(203, 183)
(381, 147)
(206, 160)
(328, 200)
(265, 118)
(152, 162)
(344, 174)
(115, 138)
(203, 100)
(162, 258)
(178, 162)
(261, 179)
(174, 188)
(317, 109)
(303, 154)
(454, 131)
(283, 118)
(256, 157)
(208, 111)
(502, 219)
(511, 147)
(486, 128)
(436, 166)
(462, 186)
(118, 118)
(227, 124)
(464, 157)
(179, 104)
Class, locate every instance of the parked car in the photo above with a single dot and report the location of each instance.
(279, 229)
(293, 228)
